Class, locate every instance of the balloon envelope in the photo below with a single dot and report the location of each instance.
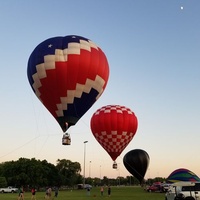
(68, 74)
(182, 174)
(136, 162)
(114, 126)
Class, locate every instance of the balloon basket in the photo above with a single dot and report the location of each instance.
(66, 140)
(114, 165)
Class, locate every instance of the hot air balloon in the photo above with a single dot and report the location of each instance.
(182, 174)
(136, 162)
(68, 74)
(114, 126)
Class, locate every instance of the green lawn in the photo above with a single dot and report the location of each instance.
(117, 193)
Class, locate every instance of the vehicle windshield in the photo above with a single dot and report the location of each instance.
(196, 187)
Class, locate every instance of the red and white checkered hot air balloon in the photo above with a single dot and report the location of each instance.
(114, 126)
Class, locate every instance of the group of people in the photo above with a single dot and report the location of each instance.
(33, 193)
(21, 193)
(102, 191)
(49, 191)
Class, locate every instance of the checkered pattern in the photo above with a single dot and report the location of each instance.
(113, 142)
(112, 136)
(116, 108)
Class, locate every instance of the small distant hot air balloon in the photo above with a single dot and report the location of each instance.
(136, 162)
(68, 74)
(114, 126)
(182, 174)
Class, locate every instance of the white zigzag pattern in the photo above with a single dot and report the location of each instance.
(97, 84)
(62, 56)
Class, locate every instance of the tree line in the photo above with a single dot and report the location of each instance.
(36, 173)
(39, 174)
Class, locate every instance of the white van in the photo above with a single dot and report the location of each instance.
(183, 190)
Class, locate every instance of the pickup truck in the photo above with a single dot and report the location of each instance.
(183, 190)
(9, 189)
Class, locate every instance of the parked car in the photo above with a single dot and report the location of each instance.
(158, 187)
(9, 189)
(165, 187)
(86, 186)
(183, 191)
(155, 187)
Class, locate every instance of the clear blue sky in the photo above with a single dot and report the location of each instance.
(153, 49)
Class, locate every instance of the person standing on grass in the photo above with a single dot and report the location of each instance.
(49, 193)
(21, 194)
(46, 194)
(109, 191)
(88, 191)
(101, 191)
(56, 192)
(33, 193)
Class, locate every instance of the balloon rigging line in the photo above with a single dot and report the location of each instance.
(20, 147)
(43, 145)
(34, 110)
(37, 129)
(28, 142)
(35, 118)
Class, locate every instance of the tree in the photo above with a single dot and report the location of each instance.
(30, 172)
(35, 173)
(69, 171)
(3, 182)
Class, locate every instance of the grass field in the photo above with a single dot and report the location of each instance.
(117, 193)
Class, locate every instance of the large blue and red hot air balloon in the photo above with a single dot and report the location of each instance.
(68, 74)
(114, 126)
